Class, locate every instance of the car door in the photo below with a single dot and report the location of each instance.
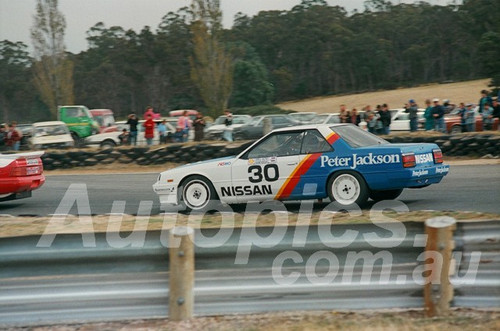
(269, 169)
(313, 177)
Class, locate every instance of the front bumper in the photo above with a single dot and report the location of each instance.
(167, 193)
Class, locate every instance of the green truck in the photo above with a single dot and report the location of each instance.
(80, 122)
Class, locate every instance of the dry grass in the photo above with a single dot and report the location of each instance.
(456, 92)
(24, 226)
(458, 320)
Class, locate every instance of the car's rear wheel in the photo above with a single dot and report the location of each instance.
(197, 193)
(385, 195)
(348, 189)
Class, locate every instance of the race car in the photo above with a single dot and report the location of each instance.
(20, 174)
(337, 161)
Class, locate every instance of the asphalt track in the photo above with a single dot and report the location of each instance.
(465, 188)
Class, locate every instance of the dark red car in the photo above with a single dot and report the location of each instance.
(20, 174)
(453, 122)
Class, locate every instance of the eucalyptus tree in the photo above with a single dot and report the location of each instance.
(53, 70)
(211, 64)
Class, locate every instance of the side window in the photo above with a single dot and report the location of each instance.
(72, 112)
(314, 142)
(278, 144)
(333, 120)
(278, 120)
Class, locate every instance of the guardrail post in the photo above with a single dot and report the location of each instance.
(438, 291)
(181, 280)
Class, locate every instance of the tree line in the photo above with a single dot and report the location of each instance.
(190, 62)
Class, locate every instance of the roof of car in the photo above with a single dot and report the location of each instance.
(311, 126)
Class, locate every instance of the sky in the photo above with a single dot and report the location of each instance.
(16, 16)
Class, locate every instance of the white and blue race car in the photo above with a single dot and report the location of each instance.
(339, 161)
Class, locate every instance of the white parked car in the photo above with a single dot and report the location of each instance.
(303, 117)
(329, 118)
(52, 134)
(215, 131)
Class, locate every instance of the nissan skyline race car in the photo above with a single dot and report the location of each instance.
(338, 161)
(20, 174)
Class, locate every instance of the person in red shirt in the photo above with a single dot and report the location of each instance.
(13, 137)
(149, 130)
(354, 117)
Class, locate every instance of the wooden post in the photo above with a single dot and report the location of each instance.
(181, 280)
(438, 291)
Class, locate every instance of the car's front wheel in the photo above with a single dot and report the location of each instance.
(108, 144)
(197, 193)
(348, 189)
(385, 195)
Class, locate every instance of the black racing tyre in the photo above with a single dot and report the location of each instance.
(348, 188)
(385, 195)
(196, 193)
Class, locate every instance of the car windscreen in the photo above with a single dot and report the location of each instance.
(356, 137)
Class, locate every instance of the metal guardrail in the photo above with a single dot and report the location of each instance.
(67, 282)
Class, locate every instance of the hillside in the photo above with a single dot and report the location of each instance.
(456, 92)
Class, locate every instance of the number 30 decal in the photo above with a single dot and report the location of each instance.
(269, 172)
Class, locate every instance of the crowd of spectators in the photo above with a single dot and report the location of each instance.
(378, 121)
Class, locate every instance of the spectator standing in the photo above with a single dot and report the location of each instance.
(368, 110)
(354, 117)
(183, 125)
(228, 129)
(470, 118)
(448, 106)
(149, 130)
(3, 137)
(162, 131)
(487, 117)
(462, 111)
(13, 137)
(150, 112)
(123, 137)
(385, 119)
(371, 122)
(438, 115)
(199, 126)
(344, 114)
(496, 111)
(132, 122)
(412, 109)
(429, 119)
(484, 100)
